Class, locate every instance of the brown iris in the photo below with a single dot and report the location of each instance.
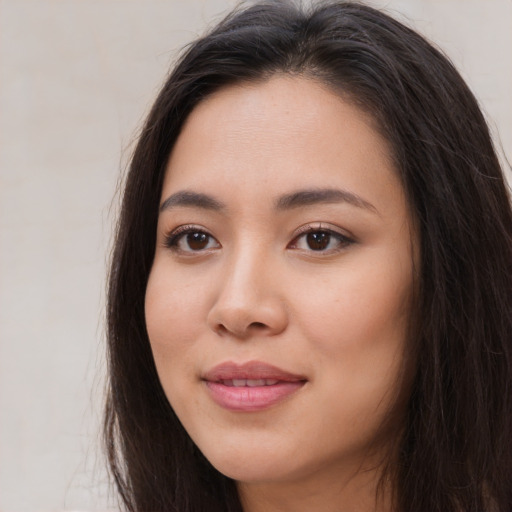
(318, 240)
(197, 241)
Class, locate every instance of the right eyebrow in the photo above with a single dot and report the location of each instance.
(192, 199)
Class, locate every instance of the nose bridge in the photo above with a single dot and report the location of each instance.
(248, 298)
(243, 265)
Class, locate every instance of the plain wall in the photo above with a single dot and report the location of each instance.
(76, 77)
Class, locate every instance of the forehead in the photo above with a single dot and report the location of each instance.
(285, 132)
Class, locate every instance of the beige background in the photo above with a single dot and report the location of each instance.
(76, 77)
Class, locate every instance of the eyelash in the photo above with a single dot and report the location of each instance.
(173, 239)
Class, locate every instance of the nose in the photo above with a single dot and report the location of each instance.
(249, 301)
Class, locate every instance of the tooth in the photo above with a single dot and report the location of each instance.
(239, 382)
(228, 383)
(270, 382)
(255, 382)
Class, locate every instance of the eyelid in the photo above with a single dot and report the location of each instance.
(323, 226)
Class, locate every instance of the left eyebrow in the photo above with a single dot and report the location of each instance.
(310, 197)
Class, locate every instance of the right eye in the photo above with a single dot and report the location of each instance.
(190, 239)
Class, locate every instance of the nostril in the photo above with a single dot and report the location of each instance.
(257, 325)
(221, 329)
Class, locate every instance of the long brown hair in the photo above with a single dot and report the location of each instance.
(456, 451)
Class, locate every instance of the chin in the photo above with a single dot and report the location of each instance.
(251, 465)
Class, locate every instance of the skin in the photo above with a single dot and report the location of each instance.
(257, 290)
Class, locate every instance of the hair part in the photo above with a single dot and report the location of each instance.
(455, 453)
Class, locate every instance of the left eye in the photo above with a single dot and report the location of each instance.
(191, 241)
(320, 241)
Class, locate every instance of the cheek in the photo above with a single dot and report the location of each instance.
(173, 310)
(172, 321)
(356, 325)
(362, 308)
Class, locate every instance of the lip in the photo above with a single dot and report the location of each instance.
(255, 397)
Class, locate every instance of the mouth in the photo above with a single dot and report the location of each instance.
(250, 383)
(250, 387)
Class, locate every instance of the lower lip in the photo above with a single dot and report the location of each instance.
(249, 399)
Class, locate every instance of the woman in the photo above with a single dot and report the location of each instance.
(310, 294)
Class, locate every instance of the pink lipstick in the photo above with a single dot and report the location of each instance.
(252, 386)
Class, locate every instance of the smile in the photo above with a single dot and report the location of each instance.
(250, 387)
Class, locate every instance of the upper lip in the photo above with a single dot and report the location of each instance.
(250, 370)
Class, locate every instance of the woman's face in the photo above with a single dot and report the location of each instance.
(278, 302)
